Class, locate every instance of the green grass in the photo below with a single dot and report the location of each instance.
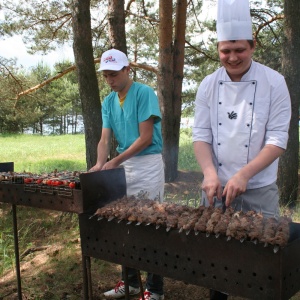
(186, 159)
(38, 227)
(39, 154)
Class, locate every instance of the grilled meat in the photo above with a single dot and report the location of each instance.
(282, 232)
(221, 226)
(200, 225)
(269, 230)
(214, 219)
(238, 225)
(256, 227)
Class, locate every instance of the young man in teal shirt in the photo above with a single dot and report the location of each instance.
(131, 111)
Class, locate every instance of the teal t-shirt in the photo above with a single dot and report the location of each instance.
(140, 104)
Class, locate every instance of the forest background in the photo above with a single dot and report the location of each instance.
(171, 46)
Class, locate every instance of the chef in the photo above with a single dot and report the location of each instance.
(242, 116)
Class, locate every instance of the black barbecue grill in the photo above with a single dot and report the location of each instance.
(242, 269)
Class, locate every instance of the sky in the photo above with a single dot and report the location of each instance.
(15, 48)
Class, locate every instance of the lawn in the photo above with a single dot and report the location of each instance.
(39, 154)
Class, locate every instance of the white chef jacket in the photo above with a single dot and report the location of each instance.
(240, 123)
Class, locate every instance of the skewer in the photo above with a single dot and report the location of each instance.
(186, 219)
(92, 216)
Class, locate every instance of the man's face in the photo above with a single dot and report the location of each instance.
(236, 57)
(117, 80)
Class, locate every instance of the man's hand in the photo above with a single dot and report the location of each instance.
(235, 186)
(211, 185)
(111, 164)
(95, 168)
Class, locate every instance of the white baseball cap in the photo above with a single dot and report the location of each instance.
(114, 60)
(234, 20)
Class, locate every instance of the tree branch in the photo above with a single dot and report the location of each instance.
(267, 23)
(70, 69)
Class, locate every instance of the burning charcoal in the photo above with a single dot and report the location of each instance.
(200, 225)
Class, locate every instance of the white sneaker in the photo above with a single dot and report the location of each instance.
(119, 291)
(151, 296)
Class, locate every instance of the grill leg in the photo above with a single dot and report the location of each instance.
(87, 278)
(126, 283)
(141, 284)
(16, 244)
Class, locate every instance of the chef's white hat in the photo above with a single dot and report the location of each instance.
(234, 20)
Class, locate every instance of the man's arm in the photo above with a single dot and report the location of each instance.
(102, 149)
(211, 183)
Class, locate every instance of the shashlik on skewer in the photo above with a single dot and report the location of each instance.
(233, 224)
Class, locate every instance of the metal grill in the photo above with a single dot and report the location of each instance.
(65, 200)
(241, 269)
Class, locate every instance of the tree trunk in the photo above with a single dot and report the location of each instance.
(87, 79)
(165, 87)
(117, 38)
(288, 165)
(170, 75)
(178, 65)
(116, 21)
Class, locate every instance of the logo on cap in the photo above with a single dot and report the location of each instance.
(110, 59)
